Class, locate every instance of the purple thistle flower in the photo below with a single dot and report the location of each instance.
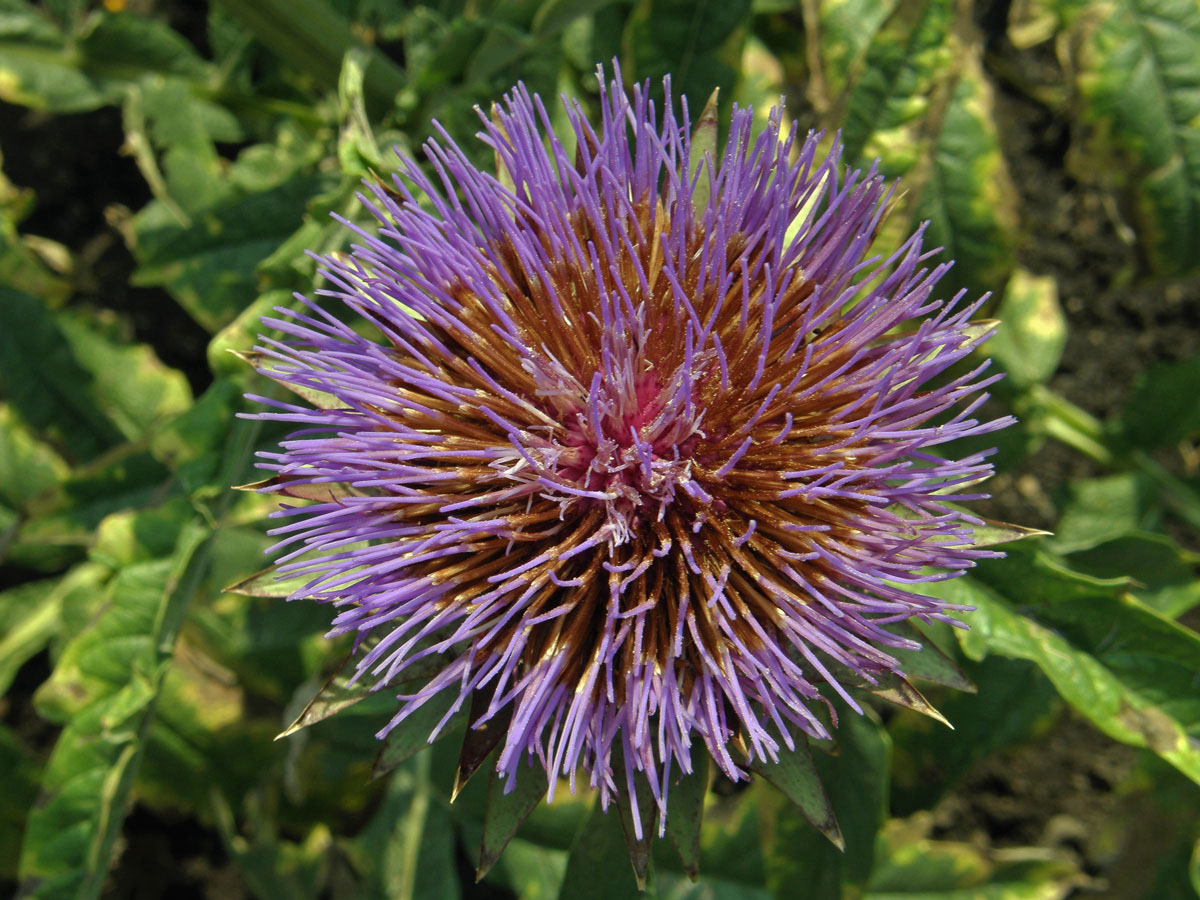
(643, 448)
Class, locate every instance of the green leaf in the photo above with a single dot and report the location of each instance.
(929, 663)
(61, 531)
(311, 36)
(209, 266)
(1014, 699)
(1165, 573)
(411, 736)
(698, 43)
(1100, 509)
(913, 867)
(30, 618)
(598, 865)
(276, 868)
(20, 790)
(85, 390)
(108, 680)
(846, 30)
(916, 99)
(1164, 408)
(1194, 868)
(1033, 329)
(1130, 671)
(531, 871)
(407, 850)
(796, 775)
(506, 810)
(48, 69)
(334, 696)
(24, 261)
(554, 16)
(166, 114)
(889, 74)
(29, 468)
(637, 812)
(964, 189)
(127, 45)
(39, 68)
(685, 814)
(1139, 79)
(55, 393)
(268, 583)
(856, 783)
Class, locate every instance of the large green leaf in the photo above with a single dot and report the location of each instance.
(964, 189)
(29, 468)
(406, 852)
(1165, 406)
(39, 67)
(1013, 700)
(90, 62)
(61, 530)
(846, 30)
(1129, 670)
(106, 684)
(891, 83)
(1139, 78)
(31, 615)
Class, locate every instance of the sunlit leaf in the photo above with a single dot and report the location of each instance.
(208, 267)
(1124, 667)
(917, 868)
(1139, 80)
(109, 677)
(1033, 329)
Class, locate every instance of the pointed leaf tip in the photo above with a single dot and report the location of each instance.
(795, 776)
(929, 663)
(992, 533)
(638, 847)
(334, 696)
(268, 584)
(479, 741)
(899, 690)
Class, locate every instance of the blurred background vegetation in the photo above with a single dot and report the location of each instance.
(166, 163)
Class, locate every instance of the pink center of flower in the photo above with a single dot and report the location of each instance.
(626, 449)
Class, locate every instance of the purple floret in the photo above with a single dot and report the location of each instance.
(635, 456)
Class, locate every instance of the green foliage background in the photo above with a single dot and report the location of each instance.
(131, 679)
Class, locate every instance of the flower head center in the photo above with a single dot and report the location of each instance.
(627, 448)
